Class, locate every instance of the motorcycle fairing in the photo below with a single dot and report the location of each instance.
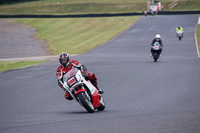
(72, 81)
(96, 103)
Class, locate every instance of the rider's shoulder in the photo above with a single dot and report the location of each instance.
(59, 68)
(75, 62)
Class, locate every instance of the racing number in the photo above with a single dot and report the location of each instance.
(71, 81)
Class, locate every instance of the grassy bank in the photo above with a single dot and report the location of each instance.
(89, 6)
(188, 5)
(74, 35)
(78, 35)
(9, 65)
(198, 36)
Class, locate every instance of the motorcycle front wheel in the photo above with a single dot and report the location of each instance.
(87, 104)
(155, 57)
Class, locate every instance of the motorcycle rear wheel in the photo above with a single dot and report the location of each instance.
(87, 104)
(102, 107)
(179, 38)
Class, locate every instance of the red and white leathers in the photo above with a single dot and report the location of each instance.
(73, 63)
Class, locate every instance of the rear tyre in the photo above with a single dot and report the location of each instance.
(87, 104)
(179, 38)
(155, 57)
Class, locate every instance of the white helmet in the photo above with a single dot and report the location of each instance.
(157, 36)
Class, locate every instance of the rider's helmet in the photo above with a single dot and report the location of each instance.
(157, 37)
(179, 27)
(64, 59)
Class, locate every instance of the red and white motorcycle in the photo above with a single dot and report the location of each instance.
(83, 91)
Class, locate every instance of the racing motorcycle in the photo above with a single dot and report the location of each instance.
(156, 51)
(179, 34)
(145, 13)
(83, 91)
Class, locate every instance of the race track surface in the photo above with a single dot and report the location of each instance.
(141, 96)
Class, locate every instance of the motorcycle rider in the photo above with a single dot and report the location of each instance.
(156, 39)
(66, 66)
(151, 11)
(179, 28)
(145, 12)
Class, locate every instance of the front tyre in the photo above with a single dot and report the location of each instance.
(155, 57)
(179, 37)
(87, 104)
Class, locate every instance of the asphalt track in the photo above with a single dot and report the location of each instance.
(141, 96)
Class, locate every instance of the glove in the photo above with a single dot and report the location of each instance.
(85, 74)
(63, 73)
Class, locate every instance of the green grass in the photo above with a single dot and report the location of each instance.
(9, 65)
(89, 6)
(198, 36)
(73, 35)
(188, 5)
(78, 35)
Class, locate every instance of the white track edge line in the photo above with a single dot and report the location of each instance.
(195, 35)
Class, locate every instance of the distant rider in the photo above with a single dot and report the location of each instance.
(66, 66)
(145, 12)
(151, 11)
(156, 39)
(179, 28)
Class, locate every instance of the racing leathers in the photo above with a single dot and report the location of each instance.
(160, 42)
(181, 29)
(73, 63)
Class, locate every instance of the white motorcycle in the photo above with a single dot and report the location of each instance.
(83, 91)
(179, 34)
(156, 51)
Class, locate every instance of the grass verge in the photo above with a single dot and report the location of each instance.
(78, 35)
(188, 5)
(73, 35)
(88, 6)
(9, 65)
(198, 36)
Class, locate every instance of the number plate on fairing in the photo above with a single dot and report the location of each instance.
(156, 47)
(72, 81)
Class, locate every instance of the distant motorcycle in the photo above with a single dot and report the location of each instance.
(179, 34)
(156, 51)
(83, 91)
(152, 13)
(145, 13)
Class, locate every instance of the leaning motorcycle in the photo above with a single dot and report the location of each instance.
(156, 51)
(83, 91)
(179, 34)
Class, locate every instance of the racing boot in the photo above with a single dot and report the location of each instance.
(100, 90)
(93, 78)
(68, 96)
